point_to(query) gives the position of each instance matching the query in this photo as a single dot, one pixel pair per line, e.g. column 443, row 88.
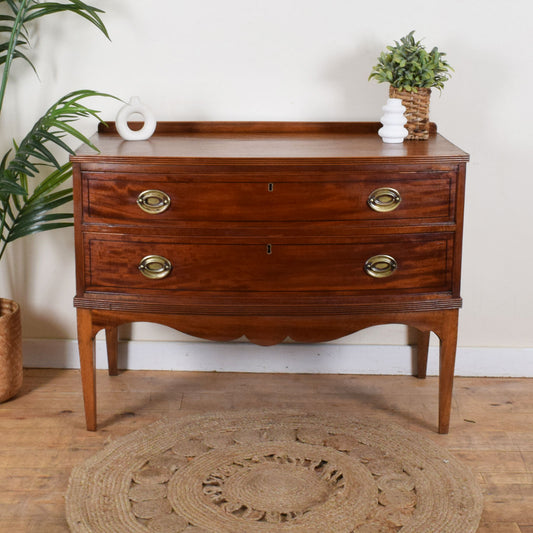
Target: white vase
column 135, row 107
column 393, row 121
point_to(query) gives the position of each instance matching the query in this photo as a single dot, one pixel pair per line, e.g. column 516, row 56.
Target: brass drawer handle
column 153, row 201
column 155, row 267
column 384, row 199
column 380, row 266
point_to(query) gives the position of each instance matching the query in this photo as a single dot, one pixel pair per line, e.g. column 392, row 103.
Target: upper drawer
column 164, row 200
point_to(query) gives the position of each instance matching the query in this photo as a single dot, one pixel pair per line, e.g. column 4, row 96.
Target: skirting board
column 327, row 358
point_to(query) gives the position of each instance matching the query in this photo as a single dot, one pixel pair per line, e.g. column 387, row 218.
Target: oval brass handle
column 153, row 201
column 384, row 199
column 155, row 267
column 380, row 266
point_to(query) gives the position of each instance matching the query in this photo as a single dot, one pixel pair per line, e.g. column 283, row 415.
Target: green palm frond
column 36, row 215
column 90, row 13
column 8, row 186
column 23, row 212
column 50, row 130
column 25, row 11
column 32, row 180
column 11, row 49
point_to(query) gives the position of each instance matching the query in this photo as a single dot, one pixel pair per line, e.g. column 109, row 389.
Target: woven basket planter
column 416, row 111
column 10, row 349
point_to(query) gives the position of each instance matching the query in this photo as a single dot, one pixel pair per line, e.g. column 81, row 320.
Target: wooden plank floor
column 42, row 434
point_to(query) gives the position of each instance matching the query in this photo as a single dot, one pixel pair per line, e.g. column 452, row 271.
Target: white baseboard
column 327, row 358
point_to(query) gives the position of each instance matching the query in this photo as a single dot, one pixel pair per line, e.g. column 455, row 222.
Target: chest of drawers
column 308, row 231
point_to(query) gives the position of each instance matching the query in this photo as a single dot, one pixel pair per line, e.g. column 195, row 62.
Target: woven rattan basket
column 416, row 111
column 10, row 349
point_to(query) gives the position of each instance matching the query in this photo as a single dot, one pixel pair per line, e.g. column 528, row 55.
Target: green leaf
column 40, row 225
column 50, row 183
column 23, row 212
column 407, row 64
column 9, row 187
column 75, row 6
column 51, row 128
column 26, row 11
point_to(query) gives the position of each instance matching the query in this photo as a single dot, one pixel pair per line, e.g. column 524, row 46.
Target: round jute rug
column 237, row 472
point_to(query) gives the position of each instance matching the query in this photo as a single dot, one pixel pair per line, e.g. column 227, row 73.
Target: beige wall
column 302, row 60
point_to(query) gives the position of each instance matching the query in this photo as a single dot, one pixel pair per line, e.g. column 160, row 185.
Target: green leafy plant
column 32, row 179
column 408, row 66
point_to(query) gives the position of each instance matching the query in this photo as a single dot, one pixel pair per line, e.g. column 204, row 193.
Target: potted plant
column 32, row 179
column 412, row 72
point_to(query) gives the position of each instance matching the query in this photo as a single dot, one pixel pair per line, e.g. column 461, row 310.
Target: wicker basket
column 416, row 111
column 10, row 349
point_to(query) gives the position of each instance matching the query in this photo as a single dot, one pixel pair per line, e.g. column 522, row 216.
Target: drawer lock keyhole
column 269, row 249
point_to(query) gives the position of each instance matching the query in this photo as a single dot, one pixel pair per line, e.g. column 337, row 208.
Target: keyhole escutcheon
column 269, row 249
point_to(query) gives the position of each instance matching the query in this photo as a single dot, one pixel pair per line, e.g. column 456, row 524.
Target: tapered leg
column 111, row 339
column 87, row 366
column 448, row 347
column 422, row 353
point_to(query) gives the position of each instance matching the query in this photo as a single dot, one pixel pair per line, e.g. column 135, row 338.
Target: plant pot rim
column 414, row 90
column 8, row 307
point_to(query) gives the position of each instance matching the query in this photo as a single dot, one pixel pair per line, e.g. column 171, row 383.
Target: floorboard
column 43, row 434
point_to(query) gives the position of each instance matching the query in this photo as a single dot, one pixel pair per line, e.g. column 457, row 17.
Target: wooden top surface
column 267, row 142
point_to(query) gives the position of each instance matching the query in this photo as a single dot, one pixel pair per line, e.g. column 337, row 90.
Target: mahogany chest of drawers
column 308, row 231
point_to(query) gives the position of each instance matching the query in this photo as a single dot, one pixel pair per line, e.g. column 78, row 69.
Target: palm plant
column 32, row 179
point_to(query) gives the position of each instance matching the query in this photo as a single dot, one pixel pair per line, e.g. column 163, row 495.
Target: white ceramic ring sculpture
column 135, row 107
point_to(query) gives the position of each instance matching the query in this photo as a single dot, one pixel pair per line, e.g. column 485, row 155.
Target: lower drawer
column 414, row 263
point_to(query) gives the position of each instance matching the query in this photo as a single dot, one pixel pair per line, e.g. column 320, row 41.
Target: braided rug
column 251, row 471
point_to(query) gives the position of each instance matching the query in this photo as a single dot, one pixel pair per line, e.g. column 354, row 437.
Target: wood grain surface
column 43, row 434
